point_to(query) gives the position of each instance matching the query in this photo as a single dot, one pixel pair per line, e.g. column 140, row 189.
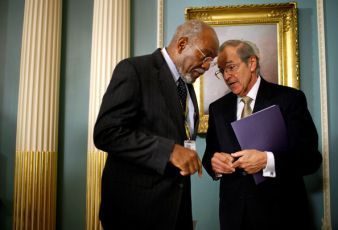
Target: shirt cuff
column 269, row 170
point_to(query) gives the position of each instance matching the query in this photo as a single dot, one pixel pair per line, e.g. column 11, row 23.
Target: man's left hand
column 250, row 160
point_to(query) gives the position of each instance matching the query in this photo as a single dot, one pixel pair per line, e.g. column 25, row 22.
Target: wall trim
column 326, row 225
column 160, row 23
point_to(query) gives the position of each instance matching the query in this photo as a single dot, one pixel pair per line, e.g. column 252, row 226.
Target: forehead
column 228, row 55
column 208, row 43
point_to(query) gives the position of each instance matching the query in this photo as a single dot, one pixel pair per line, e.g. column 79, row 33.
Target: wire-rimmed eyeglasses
column 206, row 59
column 229, row 69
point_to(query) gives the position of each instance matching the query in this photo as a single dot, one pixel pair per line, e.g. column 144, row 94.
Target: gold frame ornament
column 282, row 15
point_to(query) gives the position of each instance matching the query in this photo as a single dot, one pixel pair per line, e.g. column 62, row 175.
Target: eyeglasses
column 229, row 69
column 206, row 59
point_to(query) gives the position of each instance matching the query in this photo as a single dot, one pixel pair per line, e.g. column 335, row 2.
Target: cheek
column 245, row 78
column 187, row 65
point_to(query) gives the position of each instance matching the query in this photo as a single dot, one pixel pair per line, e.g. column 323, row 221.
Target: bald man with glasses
column 147, row 123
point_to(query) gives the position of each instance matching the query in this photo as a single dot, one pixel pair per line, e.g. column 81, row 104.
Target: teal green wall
column 11, row 16
column 74, row 95
column 331, row 19
column 144, row 26
column 73, row 124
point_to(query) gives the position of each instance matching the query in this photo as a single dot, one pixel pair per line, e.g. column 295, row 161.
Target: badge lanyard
column 189, row 143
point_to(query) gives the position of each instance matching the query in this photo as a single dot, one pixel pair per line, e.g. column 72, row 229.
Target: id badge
column 190, row 144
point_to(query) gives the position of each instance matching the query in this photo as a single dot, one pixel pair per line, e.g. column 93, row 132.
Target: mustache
column 200, row 70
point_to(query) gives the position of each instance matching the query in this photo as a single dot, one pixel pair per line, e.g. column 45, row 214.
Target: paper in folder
column 264, row 130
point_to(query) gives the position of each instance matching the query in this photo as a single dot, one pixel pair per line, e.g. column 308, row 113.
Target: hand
column 186, row 160
column 251, row 161
column 222, row 163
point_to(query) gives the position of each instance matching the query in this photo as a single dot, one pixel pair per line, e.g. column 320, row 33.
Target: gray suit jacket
column 139, row 122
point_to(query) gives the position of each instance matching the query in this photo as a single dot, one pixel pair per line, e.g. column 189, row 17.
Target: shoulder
column 140, row 64
column 286, row 97
column 225, row 101
column 144, row 61
column 284, row 91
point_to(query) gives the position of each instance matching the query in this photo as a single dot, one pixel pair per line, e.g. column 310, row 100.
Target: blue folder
column 264, row 130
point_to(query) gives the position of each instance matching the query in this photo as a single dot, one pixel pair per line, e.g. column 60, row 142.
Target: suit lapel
column 224, row 118
column 263, row 98
column 168, row 88
column 196, row 112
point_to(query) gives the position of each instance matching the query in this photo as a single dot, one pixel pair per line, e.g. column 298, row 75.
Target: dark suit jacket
column 139, row 122
column 278, row 203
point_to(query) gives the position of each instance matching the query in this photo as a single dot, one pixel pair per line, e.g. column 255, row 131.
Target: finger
column 238, row 154
column 221, row 160
column 199, row 167
column 224, row 169
column 237, row 164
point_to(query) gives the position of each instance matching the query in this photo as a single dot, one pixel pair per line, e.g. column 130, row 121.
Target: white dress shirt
column 176, row 76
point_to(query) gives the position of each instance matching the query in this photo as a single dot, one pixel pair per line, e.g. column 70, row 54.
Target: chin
column 236, row 91
column 188, row 78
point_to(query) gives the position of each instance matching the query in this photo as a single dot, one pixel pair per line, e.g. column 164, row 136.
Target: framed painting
column 274, row 30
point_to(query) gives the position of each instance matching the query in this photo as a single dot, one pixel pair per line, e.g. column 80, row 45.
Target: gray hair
column 190, row 29
column 245, row 50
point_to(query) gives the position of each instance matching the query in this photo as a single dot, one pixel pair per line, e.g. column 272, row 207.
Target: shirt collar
column 170, row 63
column 253, row 91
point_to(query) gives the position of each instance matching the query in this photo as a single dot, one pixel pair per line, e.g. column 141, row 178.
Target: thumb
column 237, row 154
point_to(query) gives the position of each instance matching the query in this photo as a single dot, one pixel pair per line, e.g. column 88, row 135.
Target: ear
column 253, row 62
column 182, row 43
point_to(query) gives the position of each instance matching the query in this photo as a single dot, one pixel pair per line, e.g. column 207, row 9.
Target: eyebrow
column 207, row 52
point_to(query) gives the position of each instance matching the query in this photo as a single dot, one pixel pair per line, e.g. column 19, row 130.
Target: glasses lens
column 219, row 73
column 208, row 60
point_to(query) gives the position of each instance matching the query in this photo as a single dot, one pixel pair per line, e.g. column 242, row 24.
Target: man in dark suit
column 280, row 201
column 143, row 124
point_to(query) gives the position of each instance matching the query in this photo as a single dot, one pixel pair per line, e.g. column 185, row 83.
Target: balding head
column 193, row 42
column 245, row 49
column 193, row 30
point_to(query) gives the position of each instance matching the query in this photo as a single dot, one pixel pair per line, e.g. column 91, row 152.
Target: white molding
column 324, row 115
column 110, row 44
column 160, row 23
column 38, row 103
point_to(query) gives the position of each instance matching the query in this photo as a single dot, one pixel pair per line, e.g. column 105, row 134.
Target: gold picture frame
column 256, row 22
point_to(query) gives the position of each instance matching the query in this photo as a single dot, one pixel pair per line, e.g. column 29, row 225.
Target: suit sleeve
column 211, row 144
column 303, row 156
column 117, row 127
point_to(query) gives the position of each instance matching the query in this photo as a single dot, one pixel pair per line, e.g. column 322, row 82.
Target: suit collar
column 168, row 86
column 196, row 112
column 263, row 98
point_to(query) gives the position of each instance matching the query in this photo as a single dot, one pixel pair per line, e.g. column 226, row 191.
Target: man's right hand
column 222, row 163
column 186, row 160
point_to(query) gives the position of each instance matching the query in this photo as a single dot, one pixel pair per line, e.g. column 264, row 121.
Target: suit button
column 244, row 173
column 180, row 185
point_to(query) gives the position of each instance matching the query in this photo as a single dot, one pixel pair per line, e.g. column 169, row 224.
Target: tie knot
column 180, row 81
column 246, row 100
